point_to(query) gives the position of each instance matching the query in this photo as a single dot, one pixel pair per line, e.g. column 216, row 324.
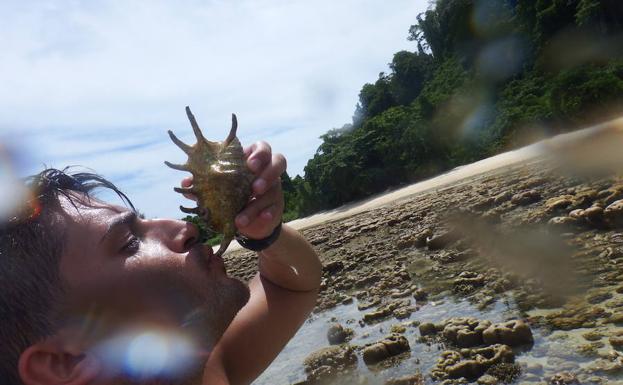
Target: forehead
column 81, row 209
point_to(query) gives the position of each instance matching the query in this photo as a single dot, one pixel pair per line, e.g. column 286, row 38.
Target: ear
column 49, row 363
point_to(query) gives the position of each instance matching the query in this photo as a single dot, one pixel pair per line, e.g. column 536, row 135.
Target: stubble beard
column 211, row 318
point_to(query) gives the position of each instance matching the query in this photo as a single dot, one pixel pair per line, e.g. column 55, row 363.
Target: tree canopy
column 484, row 76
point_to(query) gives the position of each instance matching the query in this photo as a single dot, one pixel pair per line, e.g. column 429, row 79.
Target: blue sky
column 98, row 83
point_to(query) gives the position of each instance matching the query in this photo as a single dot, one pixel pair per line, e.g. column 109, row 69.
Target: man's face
column 129, row 278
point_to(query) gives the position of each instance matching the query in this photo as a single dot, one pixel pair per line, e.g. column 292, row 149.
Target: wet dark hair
column 30, row 251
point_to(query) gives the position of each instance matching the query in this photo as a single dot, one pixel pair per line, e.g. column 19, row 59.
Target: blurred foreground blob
column 16, row 201
column 159, row 332
column 147, row 352
column 531, row 252
column 572, row 48
column 593, row 153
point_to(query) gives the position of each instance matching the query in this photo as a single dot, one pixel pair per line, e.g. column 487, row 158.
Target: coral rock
column 390, row 346
column 512, row 333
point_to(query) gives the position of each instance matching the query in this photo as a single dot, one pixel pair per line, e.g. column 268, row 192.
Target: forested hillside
column 484, row 76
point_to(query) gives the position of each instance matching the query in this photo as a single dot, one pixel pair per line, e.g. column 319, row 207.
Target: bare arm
column 283, row 293
column 291, row 262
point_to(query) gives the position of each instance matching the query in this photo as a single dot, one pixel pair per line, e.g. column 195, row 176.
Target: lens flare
column 13, row 194
column 147, row 353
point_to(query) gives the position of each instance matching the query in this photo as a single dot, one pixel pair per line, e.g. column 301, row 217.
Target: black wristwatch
column 259, row 244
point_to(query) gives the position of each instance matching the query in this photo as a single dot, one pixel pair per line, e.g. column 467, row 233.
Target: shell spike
column 232, row 131
column 224, row 244
column 180, row 167
column 184, row 190
column 194, row 125
column 183, row 146
column 194, row 210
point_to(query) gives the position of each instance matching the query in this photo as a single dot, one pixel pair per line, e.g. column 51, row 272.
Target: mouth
column 205, row 258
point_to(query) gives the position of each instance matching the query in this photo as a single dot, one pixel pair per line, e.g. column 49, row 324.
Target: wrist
column 259, row 244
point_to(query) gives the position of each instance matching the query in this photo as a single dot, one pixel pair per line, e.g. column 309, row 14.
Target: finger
column 259, row 156
column 187, row 182
column 255, row 207
column 270, row 174
column 269, row 213
column 248, row 150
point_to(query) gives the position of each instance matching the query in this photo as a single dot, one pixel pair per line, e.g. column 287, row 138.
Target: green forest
column 483, row 77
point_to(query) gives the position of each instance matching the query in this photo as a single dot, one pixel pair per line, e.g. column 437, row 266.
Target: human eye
column 131, row 246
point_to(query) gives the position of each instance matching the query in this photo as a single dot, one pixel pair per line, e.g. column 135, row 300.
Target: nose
column 179, row 236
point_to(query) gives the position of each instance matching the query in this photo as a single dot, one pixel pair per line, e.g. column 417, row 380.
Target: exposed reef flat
column 511, row 276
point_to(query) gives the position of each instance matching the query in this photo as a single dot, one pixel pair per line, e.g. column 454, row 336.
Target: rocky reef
column 512, row 276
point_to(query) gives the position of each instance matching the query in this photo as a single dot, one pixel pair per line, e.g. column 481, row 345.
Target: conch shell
column 221, row 179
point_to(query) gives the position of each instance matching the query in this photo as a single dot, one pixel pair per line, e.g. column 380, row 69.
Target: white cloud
column 98, row 83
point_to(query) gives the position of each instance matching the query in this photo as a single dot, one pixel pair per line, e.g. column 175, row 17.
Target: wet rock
column 367, row 281
column 468, row 281
column 465, row 331
column 502, row 197
column 526, row 197
column 533, row 182
column 338, row 334
column 593, row 215
column 440, row 241
column 376, row 315
column 388, row 347
column 385, row 310
column 398, row 329
column 564, row 378
column 420, row 295
column 616, row 341
column 614, row 213
column 611, row 364
column 559, row 203
column 487, row 379
column 427, row 328
column 421, row 237
column 611, row 253
column 471, row 363
column 616, row 318
column 403, row 312
column 413, row 379
column 366, row 305
column 591, row 349
column 400, row 293
column 414, row 240
column 575, row 317
column 596, row 298
column 562, row 223
column 318, row 239
column 483, row 204
column 333, row 267
column 329, row 361
column 592, row 336
column 612, row 194
column 512, row 333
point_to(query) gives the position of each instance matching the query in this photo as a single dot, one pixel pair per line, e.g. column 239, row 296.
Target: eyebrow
column 123, row 219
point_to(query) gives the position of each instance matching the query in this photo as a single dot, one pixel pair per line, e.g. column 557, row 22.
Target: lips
column 203, row 256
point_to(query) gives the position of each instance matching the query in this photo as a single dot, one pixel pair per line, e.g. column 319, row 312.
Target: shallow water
column 545, row 266
column 550, row 354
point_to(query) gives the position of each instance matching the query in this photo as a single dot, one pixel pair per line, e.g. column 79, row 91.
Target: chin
column 210, row 319
column 238, row 294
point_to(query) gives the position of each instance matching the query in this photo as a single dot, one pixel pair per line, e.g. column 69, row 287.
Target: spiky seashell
column 221, row 179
